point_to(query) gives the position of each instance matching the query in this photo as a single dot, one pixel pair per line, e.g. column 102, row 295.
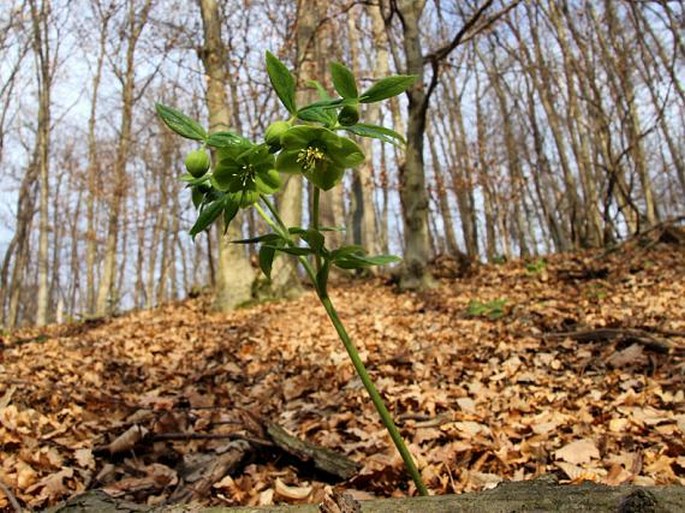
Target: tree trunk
column 41, row 47
column 107, row 298
column 413, row 195
column 93, row 167
column 234, row 274
column 363, row 228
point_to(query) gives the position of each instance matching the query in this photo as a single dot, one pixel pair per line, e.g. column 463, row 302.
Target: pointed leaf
column 180, row 123
column 387, row 88
column 268, row 237
column 291, row 250
column 317, row 115
column 231, row 207
column 323, row 94
column 343, row 80
column 224, row 139
column 377, row 132
column 266, row 259
column 314, row 239
column 209, row 213
column 358, row 260
column 348, row 250
column 282, row 81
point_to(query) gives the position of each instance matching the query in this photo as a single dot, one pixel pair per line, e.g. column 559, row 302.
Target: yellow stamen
column 309, row 156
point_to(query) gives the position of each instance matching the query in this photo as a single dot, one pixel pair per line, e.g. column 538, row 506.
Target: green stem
column 315, row 221
column 376, row 398
column 274, row 213
column 277, row 224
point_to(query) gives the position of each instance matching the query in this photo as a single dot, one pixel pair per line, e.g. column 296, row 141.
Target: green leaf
column 325, row 104
column 377, row 132
column 354, row 257
column 387, row 88
column 381, row 259
column 191, row 180
column 231, row 207
column 282, row 81
column 323, row 94
column 343, row 80
column 358, row 262
column 348, row 250
column 209, row 213
column 317, row 115
column 314, row 239
column 180, row 123
column 224, row 139
column 266, row 259
column 291, row 250
column 268, row 237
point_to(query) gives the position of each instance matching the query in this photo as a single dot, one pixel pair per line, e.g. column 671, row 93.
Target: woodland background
column 549, row 127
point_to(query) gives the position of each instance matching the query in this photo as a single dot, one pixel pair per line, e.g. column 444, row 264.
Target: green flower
column 319, row 154
column 247, row 169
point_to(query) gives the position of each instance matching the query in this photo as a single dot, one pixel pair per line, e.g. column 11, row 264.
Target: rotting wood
column 323, row 459
column 630, row 335
column 199, row 476
column 540, row 496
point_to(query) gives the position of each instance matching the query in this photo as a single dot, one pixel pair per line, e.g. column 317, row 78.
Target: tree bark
column 41, row 47
column 107, row 298
column 413, row 194
column 539, row 495
column 93, row 168
column 234, row 274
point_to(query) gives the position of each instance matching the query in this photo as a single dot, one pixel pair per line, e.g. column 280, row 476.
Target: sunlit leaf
column 282, row 81
column 180, row 123
column 387, row 88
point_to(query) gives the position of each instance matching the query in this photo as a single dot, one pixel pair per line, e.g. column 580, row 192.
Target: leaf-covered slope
column 573, row 365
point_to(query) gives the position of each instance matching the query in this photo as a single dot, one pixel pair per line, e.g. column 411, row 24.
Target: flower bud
column 274, row 132
column 197, row 163
column 349, row 115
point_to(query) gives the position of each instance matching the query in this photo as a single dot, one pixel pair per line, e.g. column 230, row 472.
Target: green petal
column 268, row 182
column 232, row 152
column 325, row 175
column 226, row 174
column 349, row 154
column 300, row 136
column 262, row 160
column 287, row 162
column 248, row 197
column 332, row 140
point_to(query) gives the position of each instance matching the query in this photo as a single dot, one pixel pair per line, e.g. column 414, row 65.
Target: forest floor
column 572, row 364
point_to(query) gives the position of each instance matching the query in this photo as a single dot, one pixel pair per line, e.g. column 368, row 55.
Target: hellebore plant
column 246, row 173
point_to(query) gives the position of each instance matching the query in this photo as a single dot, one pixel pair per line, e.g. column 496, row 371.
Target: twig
column 8, row 493
column 595, row 335
column 209, row 436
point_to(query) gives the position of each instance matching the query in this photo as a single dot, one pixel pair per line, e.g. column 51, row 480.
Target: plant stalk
column 376, row 398
column 351, row 349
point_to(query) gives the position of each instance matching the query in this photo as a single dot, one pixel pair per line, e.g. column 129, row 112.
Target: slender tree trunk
column 93, row 167
column 40, row 18
column 364, row 223
column 20, row 243
column 107, row 298
column 235, row 275
column 443, row 199
column 413, row 195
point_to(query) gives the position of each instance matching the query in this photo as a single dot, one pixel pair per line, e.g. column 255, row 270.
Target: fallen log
column 323, row 459
column 540, row 496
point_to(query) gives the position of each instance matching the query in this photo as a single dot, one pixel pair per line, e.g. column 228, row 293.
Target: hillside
column 572, row 365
